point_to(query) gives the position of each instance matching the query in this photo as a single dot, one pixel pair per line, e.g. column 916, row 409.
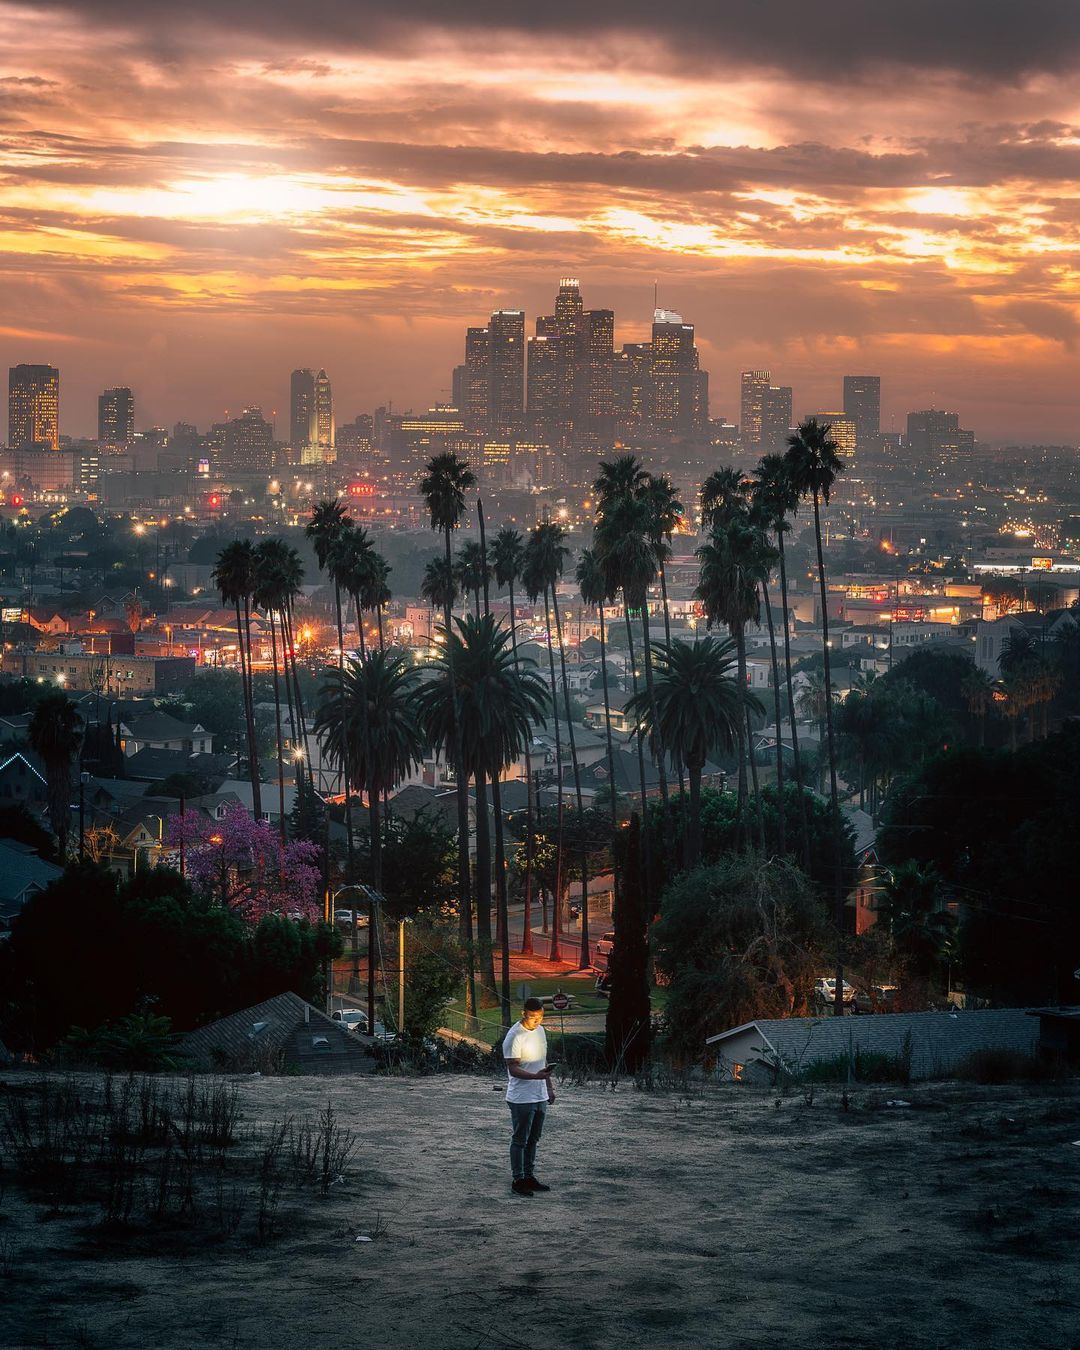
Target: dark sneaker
column 535, row 1185
column 522, row 1188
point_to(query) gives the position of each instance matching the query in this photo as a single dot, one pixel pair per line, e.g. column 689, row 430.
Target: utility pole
column 401, row 979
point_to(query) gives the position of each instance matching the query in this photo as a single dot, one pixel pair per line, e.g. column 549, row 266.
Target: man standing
column 528, row 1091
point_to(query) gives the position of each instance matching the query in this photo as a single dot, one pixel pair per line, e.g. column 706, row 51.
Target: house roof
column 937, row 1040
column 241, row 789
column 161, row 726
column 306, row 1040
column 22, row 871
column 152, row 765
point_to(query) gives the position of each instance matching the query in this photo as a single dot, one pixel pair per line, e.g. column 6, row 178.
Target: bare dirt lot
column 728, row 1217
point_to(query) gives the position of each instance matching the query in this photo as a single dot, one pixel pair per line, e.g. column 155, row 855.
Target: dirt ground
column 730, row 1217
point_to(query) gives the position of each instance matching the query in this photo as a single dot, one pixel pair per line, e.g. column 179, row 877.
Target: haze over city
column 890, row 188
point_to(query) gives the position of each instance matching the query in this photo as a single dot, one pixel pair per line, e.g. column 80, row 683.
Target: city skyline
column 351, row 190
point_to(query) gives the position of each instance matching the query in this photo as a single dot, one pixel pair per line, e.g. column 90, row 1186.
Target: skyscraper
column 862, row 405
column 249, row 443
column 303, row 431
column 311, row 417
column 752, row 387
column 34, row 408
column 935, row 432
column 841, row 429
column 632, row 384
column 775, row 418
column 598, row 394
column 543, row 388
column 679, row 397
column 116, row 419
column 506, row 372
column 324, row 420
column 475, row 404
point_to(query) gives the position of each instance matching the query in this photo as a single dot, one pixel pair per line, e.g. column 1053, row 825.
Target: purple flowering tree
column 243, row 865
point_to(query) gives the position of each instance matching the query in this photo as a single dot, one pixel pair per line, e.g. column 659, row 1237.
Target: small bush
column 1004, row 1066
column 865, row 1067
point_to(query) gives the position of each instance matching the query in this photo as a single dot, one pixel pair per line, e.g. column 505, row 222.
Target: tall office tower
column 841, row 429
column 116, row 419
column 570, row 326
column 506, row 372
column 752, row 387
column 33, row 408
column 543, row 405
column 303, row 430
column 676, row 384
column 934, row 432
column 598, row 426
column 249, row 443
column 475, row 403
column 458, row 385
column 324, row 420
column 632, row 388
column 862, row 404
column 775, row 418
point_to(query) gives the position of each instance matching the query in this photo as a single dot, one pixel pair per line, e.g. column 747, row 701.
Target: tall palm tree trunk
column 646, row 846
column 485, row 949
column 246, row 692
column 379, row 616
column 740, row 801
column 667, row 639
column 344, row 740
column 256, row 788
column 610, row 760
column 554, row 941
column 834, row 795
column 526, row 927
column 804, row 820
column 277, row 726
column 586, row 952
column 658, row 747
column 780, row 804
column 462, row 794
column 758, row 816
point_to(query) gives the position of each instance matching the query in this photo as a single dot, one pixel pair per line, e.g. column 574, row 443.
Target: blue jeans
column 527, row 1119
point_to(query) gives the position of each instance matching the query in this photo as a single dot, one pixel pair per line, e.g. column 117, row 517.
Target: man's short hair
column 533, row 1005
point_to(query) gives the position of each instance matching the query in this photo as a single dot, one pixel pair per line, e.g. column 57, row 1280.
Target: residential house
column 22, row 779
column 22, row 873
column 768, row 1049
column 161, row 731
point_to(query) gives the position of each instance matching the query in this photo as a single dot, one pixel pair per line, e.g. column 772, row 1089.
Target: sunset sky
column 195, row 198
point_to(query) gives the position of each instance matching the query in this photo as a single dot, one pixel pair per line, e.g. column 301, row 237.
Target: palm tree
column 355, row 566
column 702, row 704
column 268, row 597
column 507, row 555
column 495, row 706
column 733, row 561
column 978, row 690
column 234, row 577
column 288, row 573
column 541, row 567
column 446, row 481
column 439, row 586
column 665, row 515
column 813, row 465
column 55, row 733
column 723, row 494
column 507, row 558
column 376, row 594
column 473, row 571
column 594, row 586
column 381, row 739
column 624, row 546
column 329, row 523
column 775, row 499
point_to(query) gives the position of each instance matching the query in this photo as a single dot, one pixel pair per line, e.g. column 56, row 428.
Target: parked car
column 345, row 918
column 876, row 998
column 825, row 990
column 352, row 1019
column 356, row 1020
column 606, row 945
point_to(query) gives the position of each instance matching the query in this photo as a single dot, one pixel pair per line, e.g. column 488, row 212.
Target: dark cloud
column 826, row 41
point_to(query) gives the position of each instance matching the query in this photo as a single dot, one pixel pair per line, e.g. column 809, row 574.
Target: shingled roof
column 283, row 1032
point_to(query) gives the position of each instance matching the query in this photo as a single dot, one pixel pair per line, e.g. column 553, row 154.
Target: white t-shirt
column 530, row 1047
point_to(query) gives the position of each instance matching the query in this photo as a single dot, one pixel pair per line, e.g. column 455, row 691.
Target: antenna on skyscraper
column 654, row 292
